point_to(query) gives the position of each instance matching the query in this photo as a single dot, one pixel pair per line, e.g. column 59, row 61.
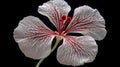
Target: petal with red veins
column 33, row 37
column 54, row 10
column 77, row 51
column 87, row 21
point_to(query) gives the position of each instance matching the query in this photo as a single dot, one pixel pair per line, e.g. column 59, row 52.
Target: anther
column 63, row 17
column 68, row 19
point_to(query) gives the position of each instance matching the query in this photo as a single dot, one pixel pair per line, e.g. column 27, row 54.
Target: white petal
column 88, row 21
column 33, row 37
column 54, row 9
column 77, row 51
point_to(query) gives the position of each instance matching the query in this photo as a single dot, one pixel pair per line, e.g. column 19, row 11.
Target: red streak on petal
column 75, row 45
column 72, row 43
column 80, row 25
column 78, row 46
column 57, row 18
column 39, row 33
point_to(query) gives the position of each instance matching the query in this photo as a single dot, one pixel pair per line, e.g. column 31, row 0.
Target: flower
column 35, row 38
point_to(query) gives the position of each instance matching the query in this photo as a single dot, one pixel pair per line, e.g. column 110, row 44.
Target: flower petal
column 33, row 37
column 87, row 21
column 54, row 10
column 77, row 51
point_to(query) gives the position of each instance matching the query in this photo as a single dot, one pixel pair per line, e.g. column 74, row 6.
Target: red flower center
column 64, row 21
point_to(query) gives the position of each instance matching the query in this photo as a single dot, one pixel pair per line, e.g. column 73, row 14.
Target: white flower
column 35, row 38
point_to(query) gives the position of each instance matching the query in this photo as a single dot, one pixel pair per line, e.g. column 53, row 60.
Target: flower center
column 64, row 21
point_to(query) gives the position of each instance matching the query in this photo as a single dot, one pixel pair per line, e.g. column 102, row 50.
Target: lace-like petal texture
column 54, row 10
column 87, row 21
column 77, row 51
column 33, row 37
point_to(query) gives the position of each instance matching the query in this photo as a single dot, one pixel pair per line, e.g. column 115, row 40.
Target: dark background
column 14, row 11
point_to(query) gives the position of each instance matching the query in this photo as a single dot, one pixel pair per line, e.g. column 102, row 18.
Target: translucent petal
column 87, row 21
column 77, row 51
column 54, row 10
column 33, row 37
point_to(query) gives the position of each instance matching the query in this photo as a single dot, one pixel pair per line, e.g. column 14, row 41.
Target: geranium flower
column 35, row 38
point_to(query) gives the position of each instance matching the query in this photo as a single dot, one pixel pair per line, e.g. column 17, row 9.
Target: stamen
column 63, row 17
column 64, row 20
column 68, row 19
column 66, row 23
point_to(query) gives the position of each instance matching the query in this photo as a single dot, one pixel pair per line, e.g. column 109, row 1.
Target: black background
column 14, row 11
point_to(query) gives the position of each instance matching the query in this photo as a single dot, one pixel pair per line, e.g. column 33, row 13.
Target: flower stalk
column 58, row 39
